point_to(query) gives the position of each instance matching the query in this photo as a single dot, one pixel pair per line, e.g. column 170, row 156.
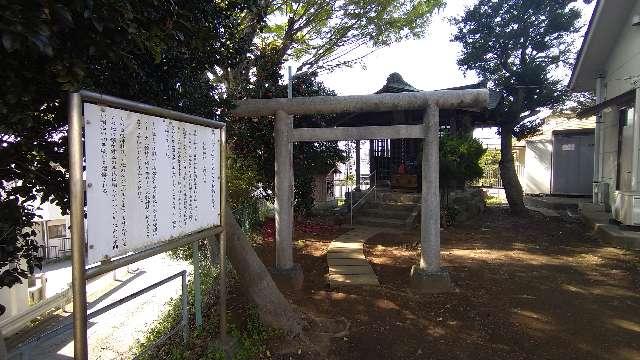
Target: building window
column 626, row 116
column 57, row 231
column 623, row 162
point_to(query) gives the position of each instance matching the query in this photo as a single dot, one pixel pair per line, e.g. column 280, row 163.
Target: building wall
column 624, row 60
column 50, row 215
column 622, row 73
column 539, row 149
column 15, row 299
column 537, row 170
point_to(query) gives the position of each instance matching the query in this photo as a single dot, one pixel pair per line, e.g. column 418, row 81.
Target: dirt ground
column 526, row 288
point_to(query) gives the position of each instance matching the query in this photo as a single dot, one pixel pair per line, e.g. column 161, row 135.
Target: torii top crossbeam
column 472, row 99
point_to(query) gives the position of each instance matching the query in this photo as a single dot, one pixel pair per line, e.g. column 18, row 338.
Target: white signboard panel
column 149, row 179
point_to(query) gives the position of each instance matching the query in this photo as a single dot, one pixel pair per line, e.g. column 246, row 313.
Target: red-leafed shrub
column 309, row 226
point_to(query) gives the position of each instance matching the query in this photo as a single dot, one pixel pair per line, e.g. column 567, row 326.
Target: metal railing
column 345, row 185
column 15, row 323
column 23, row 351
column 491, row 176
column 371, row 189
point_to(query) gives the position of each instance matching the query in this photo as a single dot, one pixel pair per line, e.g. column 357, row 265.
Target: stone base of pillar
column 430, row 282
column 291, row 278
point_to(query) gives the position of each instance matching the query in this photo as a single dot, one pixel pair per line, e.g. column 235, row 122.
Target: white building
column 53, row 240
column 559, row 160
column 609, row 64
column 53, row 234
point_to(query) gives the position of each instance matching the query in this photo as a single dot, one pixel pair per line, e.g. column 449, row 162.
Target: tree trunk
column 3, row 348
column 256, row 282
column 510, row 182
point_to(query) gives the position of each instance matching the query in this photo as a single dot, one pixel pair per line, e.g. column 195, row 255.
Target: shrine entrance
column 427, row 276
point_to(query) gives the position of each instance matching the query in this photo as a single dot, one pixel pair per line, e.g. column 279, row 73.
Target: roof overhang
column 623, row 99
column 607, row 21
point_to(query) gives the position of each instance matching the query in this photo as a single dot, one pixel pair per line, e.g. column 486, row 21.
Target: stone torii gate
column 428, row 276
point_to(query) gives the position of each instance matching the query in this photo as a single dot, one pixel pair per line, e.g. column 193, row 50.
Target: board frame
column 80, row 274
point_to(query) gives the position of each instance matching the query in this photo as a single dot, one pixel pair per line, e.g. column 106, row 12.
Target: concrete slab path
column 347, row 263
column 111, row 335
column 544, row 211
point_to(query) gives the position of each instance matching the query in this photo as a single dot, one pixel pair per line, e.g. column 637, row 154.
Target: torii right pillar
column 428, row 276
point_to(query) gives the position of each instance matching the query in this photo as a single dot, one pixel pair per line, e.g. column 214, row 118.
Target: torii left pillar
column 286, row 273
column 428, row 276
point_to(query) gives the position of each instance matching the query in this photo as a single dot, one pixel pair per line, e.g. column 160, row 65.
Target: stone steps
column 380, row 222
column 347, row 263
column 399, row 197
column 337, row 280
column 392, row 205
column 386, row 213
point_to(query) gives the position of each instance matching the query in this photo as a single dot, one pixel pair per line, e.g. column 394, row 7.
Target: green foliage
column 155, row 51
column 459, row 160
column 244, row 193
column 173, row 315
column 350, row 180
column 326, row 34
column 493, row 201
column 252, row 146
column 490, row 158
column 252, row 339
column 251, row 336
column 519, row 46
column 319, row 35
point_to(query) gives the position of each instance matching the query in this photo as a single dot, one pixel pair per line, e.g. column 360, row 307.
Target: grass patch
column 494, row 200
column 249, row 334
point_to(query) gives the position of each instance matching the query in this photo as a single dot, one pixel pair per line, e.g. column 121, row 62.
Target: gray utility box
column 572, row 162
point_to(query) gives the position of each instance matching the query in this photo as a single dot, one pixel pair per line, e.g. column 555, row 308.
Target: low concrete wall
column 467, row 204
column 598, row 221
column 15, row 299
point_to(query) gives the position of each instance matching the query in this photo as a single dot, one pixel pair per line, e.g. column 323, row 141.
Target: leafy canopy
column 252, row 149
column 325, row 34
column 522, row 47
column 156, row 51
column 459, row 160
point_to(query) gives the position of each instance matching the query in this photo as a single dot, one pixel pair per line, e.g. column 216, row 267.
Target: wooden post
column 358, row 164
column 430, row 215
column 428, row 276
column 284, row 191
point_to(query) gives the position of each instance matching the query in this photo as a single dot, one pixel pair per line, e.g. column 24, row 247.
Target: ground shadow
column 526, row 288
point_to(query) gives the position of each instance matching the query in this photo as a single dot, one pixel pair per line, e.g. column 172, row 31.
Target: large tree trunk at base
column 3, row 348
column 510, row 182
column 256, row 281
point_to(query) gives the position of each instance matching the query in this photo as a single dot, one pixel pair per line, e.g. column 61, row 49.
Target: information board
column 148, row 180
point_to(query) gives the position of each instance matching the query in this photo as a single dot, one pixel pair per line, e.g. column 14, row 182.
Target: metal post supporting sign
column 223, row 242
column 197, row 283
column 80, row 273
column 80, row 345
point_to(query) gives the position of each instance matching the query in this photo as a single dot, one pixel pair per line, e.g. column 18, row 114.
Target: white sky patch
column 427, row 64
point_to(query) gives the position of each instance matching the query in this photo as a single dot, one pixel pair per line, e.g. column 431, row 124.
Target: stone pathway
column 347, row 263
column 544, row 211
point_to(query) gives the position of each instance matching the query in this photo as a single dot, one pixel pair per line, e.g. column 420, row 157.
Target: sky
column 427, row 64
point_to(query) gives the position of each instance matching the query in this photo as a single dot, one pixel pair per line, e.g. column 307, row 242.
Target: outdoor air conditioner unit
column 626, row 207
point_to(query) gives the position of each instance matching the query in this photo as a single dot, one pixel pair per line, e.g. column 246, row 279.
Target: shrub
column 459, row 161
